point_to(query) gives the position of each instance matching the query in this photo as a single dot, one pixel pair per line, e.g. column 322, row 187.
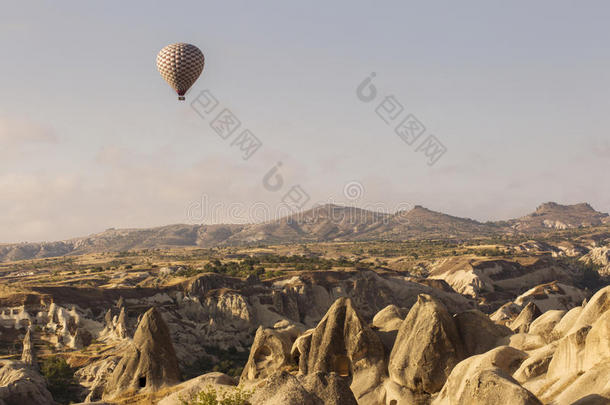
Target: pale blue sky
column 91, row 137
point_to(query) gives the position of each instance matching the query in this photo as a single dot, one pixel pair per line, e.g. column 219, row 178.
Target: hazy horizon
column 247, row 215
column 92, row 138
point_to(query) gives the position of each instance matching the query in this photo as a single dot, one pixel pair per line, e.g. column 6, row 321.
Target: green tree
column 60, row 378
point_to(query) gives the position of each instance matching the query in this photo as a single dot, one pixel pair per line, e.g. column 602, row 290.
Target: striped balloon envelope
column 180, row 65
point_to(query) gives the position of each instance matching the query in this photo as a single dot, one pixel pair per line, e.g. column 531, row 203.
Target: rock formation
column 387, row 322
column 597, row 343
column 566, row 322
column 192, row 387
column 150, row 362
column 344, row 344
column 390, row 318
column 427, row 347
column 486, row 379
column 601, row 257
column 332, row 389
column 590, row 388
column 545, row 323
column 270, row 352
column 536, row 364
column 553, row 295
column 28, row 356
column 283, row 389
column 338, row 336
column 121, row 325
column 94, row 376
column 526, row 317
column 479, row 333
column 20, row 384
column 573, row 367
column 593, row 310
column 313, row 389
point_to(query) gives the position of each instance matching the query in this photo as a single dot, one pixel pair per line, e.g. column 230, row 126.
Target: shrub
column 230, row 362
column 210, row 396
column 60, row 378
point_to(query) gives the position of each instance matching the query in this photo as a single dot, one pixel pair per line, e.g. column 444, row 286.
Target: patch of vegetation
column 230, row 362
column 487, row 252
column 273, row 273
column 60, row 379
column 211, row 396
column 258, row 265
column 586, row 274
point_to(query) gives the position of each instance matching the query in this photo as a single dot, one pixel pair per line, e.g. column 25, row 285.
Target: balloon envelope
column 180, row 65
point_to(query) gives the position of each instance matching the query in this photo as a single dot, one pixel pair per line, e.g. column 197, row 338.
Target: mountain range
column 320, row 224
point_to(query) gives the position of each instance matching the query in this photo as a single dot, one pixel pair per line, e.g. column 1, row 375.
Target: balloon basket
column 181, row 98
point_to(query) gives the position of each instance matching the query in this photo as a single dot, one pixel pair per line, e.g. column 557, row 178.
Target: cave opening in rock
column 297, row 357
column 262, row 354
column 342, row 365
column 142, row 381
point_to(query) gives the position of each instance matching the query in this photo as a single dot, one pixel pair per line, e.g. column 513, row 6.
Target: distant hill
column 324, row 223
column 421, row 222
column 551, row 215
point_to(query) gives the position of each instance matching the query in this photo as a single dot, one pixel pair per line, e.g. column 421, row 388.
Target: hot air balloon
column 180, row 65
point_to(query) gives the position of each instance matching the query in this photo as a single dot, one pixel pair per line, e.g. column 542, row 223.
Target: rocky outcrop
column 597, row 343
column 150, row 361
column 332, row 389
column 524, row 341
column 94, row 376
column 390, row 318
column 545, row 323
column 593, row 310
column 551, row 296
column 484, row 278
column 565, row 323
column 121, row 325
column 601, row 257
column 284, row 389
column 20, row 384
column 576, row 359
column 225, row 311
column 506, row 313
column 342, row 343
column 115, row 327
column 312, row 389
column 479, row 333
column 270, row 352
column 188, row 389
column 28, row 356
column 536, row 364
column 82, row 339
column 486, row 379
column 427, row 347
column 387, row 322
column 558, row 216
column 108, row 319
column 522, row 323
column 590, row 388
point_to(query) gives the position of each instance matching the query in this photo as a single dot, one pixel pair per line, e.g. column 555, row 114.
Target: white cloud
column 15, row 131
